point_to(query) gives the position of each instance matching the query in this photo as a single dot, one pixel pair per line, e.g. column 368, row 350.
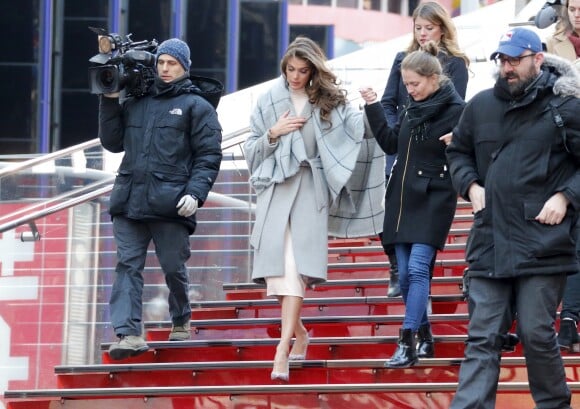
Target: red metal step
column 267, row 396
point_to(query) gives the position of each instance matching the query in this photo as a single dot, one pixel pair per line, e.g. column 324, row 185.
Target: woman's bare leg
column 291, row 307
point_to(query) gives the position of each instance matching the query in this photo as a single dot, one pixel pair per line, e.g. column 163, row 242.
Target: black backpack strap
column 553, row 105
column 557, row 118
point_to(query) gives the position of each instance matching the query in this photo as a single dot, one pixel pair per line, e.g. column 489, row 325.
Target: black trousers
column 172, row 249
column 492, row 305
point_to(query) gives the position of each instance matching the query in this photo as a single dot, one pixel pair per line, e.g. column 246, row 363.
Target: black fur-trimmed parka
column 522, row 151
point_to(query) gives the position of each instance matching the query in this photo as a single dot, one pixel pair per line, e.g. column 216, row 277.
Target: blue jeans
column 414, row 272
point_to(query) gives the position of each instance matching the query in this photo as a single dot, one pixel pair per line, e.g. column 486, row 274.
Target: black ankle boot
column 394, row 287
column 568, row 335
column 406, row 353
column 509, row 342
column 426, row 345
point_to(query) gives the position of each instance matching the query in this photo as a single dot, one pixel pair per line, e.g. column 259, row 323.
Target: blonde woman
column 431, row 22
column 420, row 197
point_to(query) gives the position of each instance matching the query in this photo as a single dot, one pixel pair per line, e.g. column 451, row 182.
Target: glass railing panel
column 29, row 186
column 54, row 292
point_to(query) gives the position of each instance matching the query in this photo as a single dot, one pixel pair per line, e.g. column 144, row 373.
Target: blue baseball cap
column 516, row 41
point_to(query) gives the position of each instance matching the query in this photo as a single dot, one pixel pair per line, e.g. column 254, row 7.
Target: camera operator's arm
column 111, row 129
column 205, row 142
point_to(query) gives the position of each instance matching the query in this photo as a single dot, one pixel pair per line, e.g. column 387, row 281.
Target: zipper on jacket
column 403, row 185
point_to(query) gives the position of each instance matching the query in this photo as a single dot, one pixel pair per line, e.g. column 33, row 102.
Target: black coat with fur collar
column 513, row 148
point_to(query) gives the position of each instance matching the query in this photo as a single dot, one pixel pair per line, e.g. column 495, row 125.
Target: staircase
column 353, row 329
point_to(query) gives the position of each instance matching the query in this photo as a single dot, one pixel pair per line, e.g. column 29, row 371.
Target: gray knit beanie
column 177, row 49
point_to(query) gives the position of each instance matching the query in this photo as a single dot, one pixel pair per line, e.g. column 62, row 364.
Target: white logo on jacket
column 176, row 111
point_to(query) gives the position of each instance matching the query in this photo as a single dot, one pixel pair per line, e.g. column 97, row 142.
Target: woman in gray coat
column 308, row 160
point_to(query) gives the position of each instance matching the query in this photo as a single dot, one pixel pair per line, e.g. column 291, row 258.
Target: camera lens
column 107, row 78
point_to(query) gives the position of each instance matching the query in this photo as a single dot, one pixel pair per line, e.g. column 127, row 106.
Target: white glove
column 187, row 206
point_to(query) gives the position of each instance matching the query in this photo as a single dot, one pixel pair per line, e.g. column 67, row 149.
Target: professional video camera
column 123, row 64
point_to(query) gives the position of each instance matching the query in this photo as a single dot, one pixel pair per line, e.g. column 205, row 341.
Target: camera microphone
column 548, row 14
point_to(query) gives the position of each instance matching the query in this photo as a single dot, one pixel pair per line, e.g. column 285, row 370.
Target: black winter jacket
column 420, row 200
column 172, row 143
column 514, row 149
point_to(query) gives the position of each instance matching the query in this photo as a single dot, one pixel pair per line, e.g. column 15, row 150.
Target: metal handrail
column 30, row 218
column 75, row 199
column 151, row 391
column 93, row 143
column 57, row 199
column 16, row 167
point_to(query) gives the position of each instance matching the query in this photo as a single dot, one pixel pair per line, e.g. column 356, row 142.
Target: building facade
column 45, row 96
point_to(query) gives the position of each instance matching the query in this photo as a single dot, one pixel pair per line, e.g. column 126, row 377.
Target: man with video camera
column 172, row 143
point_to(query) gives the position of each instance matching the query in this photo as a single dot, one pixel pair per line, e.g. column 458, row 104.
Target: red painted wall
column 32, row 304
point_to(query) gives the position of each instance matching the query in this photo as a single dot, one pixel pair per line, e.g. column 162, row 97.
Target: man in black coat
column 515, row 155
column 171, row 139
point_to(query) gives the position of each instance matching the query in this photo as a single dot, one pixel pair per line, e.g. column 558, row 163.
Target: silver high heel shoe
column 302, row 356
column 283, row 376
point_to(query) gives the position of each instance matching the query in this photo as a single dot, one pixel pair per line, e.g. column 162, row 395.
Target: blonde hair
column 425, row 62
column 323, row 87
column 436, row 14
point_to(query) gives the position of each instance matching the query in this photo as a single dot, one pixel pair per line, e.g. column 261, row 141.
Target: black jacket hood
column 208, row 88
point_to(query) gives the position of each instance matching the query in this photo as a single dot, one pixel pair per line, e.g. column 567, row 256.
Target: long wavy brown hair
column 436, row 14
column 323, row 87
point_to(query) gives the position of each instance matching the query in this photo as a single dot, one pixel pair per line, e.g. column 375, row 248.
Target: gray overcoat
column 321, row 180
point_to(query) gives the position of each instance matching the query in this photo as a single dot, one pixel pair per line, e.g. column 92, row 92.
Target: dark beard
column 518, row 88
